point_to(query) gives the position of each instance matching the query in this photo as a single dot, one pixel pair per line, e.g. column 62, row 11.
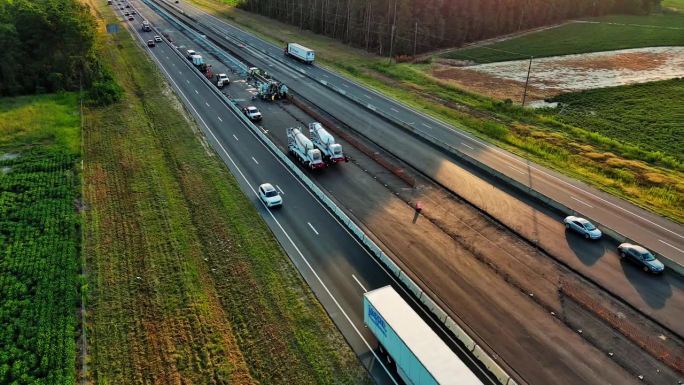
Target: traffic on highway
column 519, row 276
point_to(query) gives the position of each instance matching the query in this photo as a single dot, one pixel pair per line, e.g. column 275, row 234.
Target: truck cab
column 189, row 53
column 222, row 80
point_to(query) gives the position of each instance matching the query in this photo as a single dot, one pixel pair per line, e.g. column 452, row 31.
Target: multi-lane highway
column 653, row 231
column 661, row 299
column 335, row 265
column 332, row 266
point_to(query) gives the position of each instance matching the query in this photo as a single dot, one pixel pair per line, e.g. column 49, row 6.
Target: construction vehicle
column 409, row 344
column 222, row 80
column 331, row 151
column 198, row 61
column 303, row 149
column 267, row 87
column 146, row 27
column 300, row 53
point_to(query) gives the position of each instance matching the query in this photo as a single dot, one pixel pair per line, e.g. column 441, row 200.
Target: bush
column 104, row 91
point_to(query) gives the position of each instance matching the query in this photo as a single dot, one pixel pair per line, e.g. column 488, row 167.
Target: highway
column 657, row 233
column 334, row 264
column 310, row 229
column 661, row 299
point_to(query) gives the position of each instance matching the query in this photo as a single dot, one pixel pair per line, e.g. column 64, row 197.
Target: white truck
column 222, row 80
column 146, row 27
column 300, row 52
column 303, row 149
column 332, row 152
column 419, row 355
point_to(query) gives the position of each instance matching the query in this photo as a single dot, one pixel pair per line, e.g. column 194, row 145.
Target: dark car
column 150, row 43
column 642, row 257
column 131, row 18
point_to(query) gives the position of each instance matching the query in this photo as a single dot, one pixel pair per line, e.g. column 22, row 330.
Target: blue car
column 641, row 257
column 582, row 226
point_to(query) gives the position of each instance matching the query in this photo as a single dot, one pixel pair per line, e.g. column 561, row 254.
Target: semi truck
column 267, row 87
column 198, row 61
column 303, row 149
column 300, row 53
column 417, row 353
column 331, row 151
column 222, row 80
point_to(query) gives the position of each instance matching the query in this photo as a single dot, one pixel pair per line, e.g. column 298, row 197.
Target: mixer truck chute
column 267, row 87
column 321, row 138
column 303, row 149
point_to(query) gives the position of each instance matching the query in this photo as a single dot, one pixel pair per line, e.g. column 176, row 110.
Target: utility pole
column 415, row 39
column 394, row 27
column 527, row 81
column 370, row 9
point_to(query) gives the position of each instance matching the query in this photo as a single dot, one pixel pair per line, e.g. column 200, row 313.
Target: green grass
column 665, row 29
column 39, row 239
column 676, row 5
column 187, row 283
column 644, row 175
column 41, row 119
column 648, row 116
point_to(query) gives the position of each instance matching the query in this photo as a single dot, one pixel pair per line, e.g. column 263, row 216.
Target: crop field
column 589, row 35
column 187, row 285
column 647, row 115
column 39, row 239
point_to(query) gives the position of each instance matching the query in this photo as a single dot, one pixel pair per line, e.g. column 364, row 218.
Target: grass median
column 631, row 167
column 187, row 283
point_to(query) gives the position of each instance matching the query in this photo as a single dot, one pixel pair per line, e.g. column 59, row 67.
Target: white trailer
column 303, row 149
column 300, row 52
column 419, row 355
column 332, row 152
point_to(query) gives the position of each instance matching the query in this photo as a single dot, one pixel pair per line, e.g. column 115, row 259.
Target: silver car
column 642, row 257
column 582, row 227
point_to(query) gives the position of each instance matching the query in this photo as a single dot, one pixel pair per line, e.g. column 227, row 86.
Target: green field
column 597, row 34
column 649, row 116
column 187, row 283
column 39, row 238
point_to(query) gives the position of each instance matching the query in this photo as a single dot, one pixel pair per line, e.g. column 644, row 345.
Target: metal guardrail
column 476, row 350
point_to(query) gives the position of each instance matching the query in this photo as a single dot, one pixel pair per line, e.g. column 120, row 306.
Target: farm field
column 587, row 35
column 39, row 238
column 187, row 285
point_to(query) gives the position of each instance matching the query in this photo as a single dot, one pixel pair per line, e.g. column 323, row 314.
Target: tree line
column 48, row 46
column 406, row 27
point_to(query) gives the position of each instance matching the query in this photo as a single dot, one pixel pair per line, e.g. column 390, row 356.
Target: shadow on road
column 587, row 251
column 655, row 290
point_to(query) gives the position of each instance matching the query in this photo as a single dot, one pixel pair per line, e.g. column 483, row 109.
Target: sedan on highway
column 157, row 38
column 641, row 257
column 582, row 227
column 269, row 195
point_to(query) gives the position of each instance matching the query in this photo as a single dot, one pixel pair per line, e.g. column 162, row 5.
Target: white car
column 157, row 38
column 582, row 227
column 252, row 113
column 269, row 195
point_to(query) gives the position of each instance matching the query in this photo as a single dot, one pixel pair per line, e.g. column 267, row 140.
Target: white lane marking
column 219, row 118
column 394, row 109
column 255, row 161
column 674, row 247
column 581, row 201
column 173, row 64
column 517, row 169
column 357, row 281
column 281, row 190
column 426, row 125
column 326, row 76
column 366, row 95
column 345, row 85
column 470, row 147
column 207, row 104
column 167, row 58
column 312, row 228
column 187, row 81
column 196, row 92
column 236, row 138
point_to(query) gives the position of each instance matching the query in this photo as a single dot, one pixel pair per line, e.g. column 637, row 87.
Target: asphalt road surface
column 333, row 263
column 661, row 298
column 657, row 233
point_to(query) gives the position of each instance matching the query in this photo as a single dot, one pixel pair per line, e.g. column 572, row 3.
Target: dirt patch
column 553, row 75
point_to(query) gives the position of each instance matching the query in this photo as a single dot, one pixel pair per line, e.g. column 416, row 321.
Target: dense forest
column 47, row 46
column 424, row 25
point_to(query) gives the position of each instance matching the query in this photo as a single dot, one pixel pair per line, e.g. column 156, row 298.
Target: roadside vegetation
column 187, row 285
column 39, row 238
column 633, row 168
column 586, row 35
